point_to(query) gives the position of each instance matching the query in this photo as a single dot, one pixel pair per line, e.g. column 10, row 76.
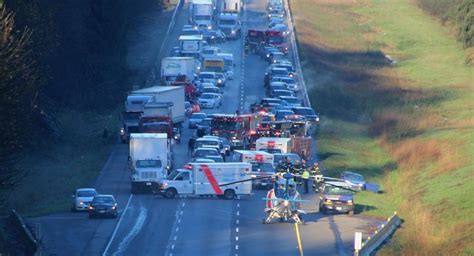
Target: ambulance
column 262, row 165
column 220, row 179
column 273, row 145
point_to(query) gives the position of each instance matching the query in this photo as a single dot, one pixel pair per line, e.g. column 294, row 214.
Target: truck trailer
column 172, row 67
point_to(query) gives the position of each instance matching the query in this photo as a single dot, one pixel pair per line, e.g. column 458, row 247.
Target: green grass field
column 408, row 126
column 52, row 171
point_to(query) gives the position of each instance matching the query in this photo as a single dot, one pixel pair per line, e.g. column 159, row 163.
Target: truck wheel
column 229, row 194
column 351, row 213
column 170, row 193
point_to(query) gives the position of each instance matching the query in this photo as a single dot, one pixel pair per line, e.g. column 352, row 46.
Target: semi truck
column 201, row 13
column 166, row 94
column 134, row 106
column 173, row 67
column 230, row 24
column 150, row 158
column 208, row 179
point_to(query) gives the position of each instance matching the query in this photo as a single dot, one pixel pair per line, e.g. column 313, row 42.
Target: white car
column 82, row 198
column 208, row 77
column 210, row 100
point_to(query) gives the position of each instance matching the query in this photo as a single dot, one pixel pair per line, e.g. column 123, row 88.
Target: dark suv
column 336, row 197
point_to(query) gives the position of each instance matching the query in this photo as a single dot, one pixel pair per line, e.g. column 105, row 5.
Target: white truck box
column 273, row 145
column 201, row 13
column 234, row 6
column 163, row 94
column 208, row 179
column 150, row 157
column 172, row 67
column 190, row 45
column 248, row 156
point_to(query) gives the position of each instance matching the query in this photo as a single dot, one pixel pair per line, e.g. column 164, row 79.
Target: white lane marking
column 236, row 247
column 237, row 230
column 117, row 226
column 237, row 221
column 179, row 220
column 238, row 205
column 177, row 229
column 181, row 213
column 133, row 232
column 175, row 238
column 236, row 238
column 172, row 247
column 238, row 213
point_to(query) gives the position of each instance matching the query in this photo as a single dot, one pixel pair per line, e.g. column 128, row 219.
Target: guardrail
column 26, row 238
column 370, row 246
column 296, row 56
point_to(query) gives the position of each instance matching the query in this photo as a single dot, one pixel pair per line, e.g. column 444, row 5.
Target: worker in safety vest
column 305, row 177
column 315, row 171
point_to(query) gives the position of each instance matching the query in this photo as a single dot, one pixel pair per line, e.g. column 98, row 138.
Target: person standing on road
column 191, row 142
column 305, row 177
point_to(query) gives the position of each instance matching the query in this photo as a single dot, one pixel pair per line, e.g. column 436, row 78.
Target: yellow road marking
column 298, row 237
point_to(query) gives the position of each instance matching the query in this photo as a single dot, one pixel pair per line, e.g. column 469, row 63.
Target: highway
column 152, row 225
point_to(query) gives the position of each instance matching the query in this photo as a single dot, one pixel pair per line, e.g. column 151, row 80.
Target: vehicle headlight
column 291, row 75
column 234, row 138
column 122, row 131
column 91, row 207
column 114, row 207
column 209, row 27
column 268, row 55
column 195, row 27
column 317, row 119
column 286, row 203
column 213, row 37
column 81, row 203
column 349, row 202
column 233, row 31
column 219, row 81
column 269, row 15
column 328, row 201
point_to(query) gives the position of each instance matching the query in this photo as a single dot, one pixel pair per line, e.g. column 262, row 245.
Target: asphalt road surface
column 152, row 225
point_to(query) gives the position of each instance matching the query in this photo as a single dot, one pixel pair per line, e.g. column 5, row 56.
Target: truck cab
column 230, row 24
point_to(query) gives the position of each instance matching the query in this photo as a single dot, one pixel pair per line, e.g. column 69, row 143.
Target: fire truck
column 277, row 39
column 236, row 128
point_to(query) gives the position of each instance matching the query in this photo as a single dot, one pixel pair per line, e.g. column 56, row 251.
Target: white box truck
column 163, row 94
column 273, row 145
column 190, row 45
column 172, row 67
column 234, row 6
column 201, row 13
column 149, row 158
column 221, row 179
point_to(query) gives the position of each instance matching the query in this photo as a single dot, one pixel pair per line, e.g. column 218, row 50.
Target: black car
column 103, row 205
column 213, row 36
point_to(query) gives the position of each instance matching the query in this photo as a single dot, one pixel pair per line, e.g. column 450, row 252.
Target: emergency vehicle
column 208, row 179
column 235, row 128
column 262, row 165
column 274, row 145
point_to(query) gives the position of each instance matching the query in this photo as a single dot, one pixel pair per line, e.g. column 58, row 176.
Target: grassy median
column 52, row 170
column 408, row 125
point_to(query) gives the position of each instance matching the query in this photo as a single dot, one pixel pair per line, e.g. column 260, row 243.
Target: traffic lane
column 146, row 227
column 256, row 238
column 205, row 227
column 75, row 233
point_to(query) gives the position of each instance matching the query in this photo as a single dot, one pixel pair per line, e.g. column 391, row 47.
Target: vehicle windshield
column 289, row 80
column 227, row 22
column 206, row 76
column 292, row 157
column 226, row 125
column 198, row 116
column 208, row 96
column 262, row 167
column 213, row 90
column 208, row 51
column 173, row 175
column 202, row 144
column 282, row 93
column 202, row 17
column 155, row 126
column 281, row 72
column 216, row 159
column 305, row 111
column 331, row 190
column 103, row 200
column 86, row 193
column 203, row 153
column 148, row 163
column 354, row 177
column 276, row 40
column 292, row 100
column 272, row 150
